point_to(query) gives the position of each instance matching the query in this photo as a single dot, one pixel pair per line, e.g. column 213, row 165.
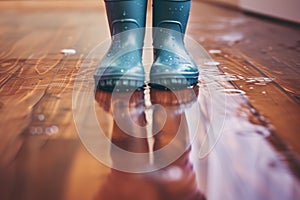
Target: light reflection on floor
column 242, row 165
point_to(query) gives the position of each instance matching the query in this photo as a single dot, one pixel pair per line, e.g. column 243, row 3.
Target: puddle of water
column 242, row 156
column 240, row 159
column 228, row 166
column 177, row 179
column 260, row 81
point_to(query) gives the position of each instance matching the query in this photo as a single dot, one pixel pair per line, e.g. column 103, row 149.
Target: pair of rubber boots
column 122, row 66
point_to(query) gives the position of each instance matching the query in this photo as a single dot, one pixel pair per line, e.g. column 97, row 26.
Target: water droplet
column 240, row 77
column 214, row 51
column 173, row 173
column 250, row 80
column 264, row 92
column 231, row 38
column 51, row 130
column 260, row 83
column 210, row 63
column 266, row 79
column 124, row 13
column 259, row 80
column 48, row 131
column 125, row 27
column 36, row 130
column 68, row 51
column 251, row 88
column 232, row 91
column 41, row 117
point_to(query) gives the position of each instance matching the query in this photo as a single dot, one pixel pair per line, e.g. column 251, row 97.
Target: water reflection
column 177, row 180
column 248, row 162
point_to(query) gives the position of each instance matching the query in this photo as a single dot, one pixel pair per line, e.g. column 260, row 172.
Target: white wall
column 283, row 9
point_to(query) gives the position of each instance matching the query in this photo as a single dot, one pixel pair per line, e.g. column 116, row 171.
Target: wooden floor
column 42, row 157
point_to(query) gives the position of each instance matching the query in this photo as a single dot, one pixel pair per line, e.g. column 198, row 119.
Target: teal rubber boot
column 173, row 67
column 122, row 66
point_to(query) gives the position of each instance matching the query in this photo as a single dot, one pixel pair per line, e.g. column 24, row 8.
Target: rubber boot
column 122, row 66
column 172, row 67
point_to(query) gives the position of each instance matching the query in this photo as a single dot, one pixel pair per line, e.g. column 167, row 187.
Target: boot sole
column 120, row 85
column 173, row 83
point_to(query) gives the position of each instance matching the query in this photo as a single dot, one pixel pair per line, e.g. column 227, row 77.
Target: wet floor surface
column 232, row 136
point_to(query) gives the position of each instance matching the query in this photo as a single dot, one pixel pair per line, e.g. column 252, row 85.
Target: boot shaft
column 171, row 14
column 170, row 19
column 125, row 15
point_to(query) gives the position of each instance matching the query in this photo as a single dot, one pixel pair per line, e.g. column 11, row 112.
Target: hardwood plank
column 46, row 4
column 39, row 87
column 267, row 97
column 273, row 45
column 41, row 156
column 247, row 47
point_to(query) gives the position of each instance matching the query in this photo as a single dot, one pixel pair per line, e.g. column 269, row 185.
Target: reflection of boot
column 122, row 65
column 172, row 131
column 177, row 180
column 172, row 67
column 127, row 186
column 128, row 119
column 178, row 99
column 129, row 131
column 119, row 184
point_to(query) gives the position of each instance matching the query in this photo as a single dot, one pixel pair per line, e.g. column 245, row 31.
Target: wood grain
column 252, row 48
column 41, row 156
